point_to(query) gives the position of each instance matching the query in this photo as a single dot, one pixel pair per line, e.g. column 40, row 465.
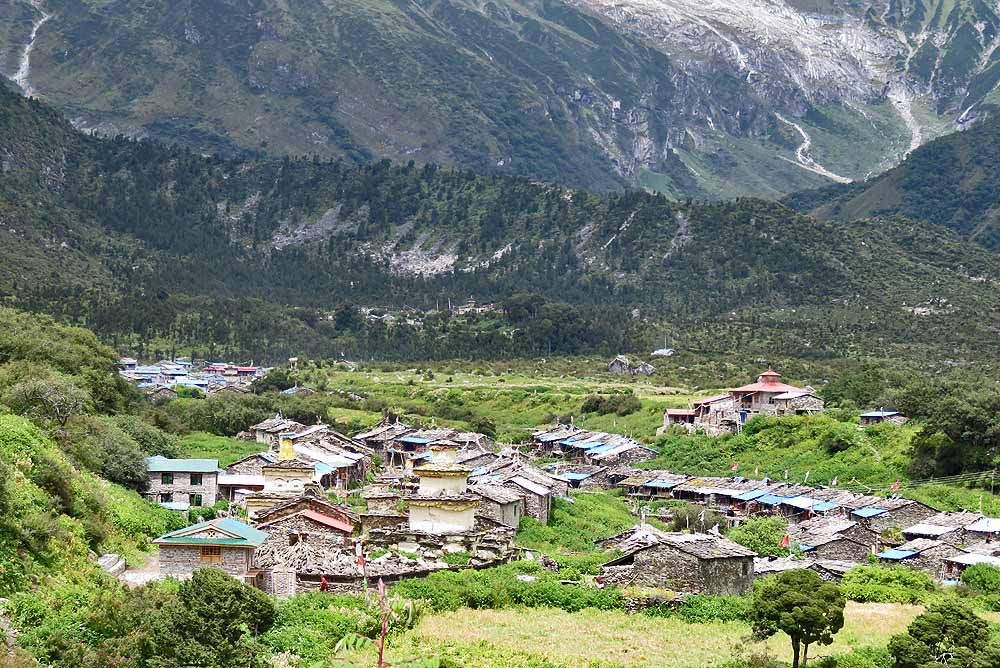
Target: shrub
column 620, row 403
column 704, row 608
column 886, row 584
column 762, row 535
column 982, row 578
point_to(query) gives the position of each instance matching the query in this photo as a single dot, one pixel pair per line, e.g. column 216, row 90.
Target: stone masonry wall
column 182, row 489
column 185, row 559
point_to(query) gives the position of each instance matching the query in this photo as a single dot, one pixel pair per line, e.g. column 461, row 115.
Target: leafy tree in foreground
column 949, row 634
column 799, row 603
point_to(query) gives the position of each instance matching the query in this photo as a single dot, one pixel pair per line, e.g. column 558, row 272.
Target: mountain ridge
column 150, row 244
column 679, row 97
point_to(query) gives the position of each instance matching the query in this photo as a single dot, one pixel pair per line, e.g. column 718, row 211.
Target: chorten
column 442, row 503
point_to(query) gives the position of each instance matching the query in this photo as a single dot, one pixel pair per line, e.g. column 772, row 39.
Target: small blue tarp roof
column 751, row 495
column 663, row 484
column 871, row 511
column 896, row 555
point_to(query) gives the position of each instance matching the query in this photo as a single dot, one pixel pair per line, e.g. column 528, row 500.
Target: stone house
column 682, row 562
column 880, row 416
column 269, row 431
column 182, row 481
column 311, row 501
column 499, row 504
column 536, row 497
column 802, row 402
column 727, row 413
column 945, row 527
column 309, row 521
column 986, row 529
column 922, row 554
column 977, row 553
column 881, row 514
column 222, row 543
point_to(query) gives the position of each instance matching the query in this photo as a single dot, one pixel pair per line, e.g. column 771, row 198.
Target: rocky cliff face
column 693, row 98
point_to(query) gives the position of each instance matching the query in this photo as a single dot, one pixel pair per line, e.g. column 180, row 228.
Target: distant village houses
column 728, row 412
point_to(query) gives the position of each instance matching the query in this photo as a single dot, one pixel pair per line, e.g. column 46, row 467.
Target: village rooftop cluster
column 442, row 498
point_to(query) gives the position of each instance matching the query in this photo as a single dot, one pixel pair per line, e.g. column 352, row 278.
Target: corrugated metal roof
column 752, row 494
column 985, row 525
column 771, row 499
column 239, row 534
column 924, row 529
column 663, row 484
column 871, row 511
column 896, row 555
column 158, row 464
column 529, row 485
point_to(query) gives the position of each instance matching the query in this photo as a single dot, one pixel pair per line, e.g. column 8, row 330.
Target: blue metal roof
column 601, row 449
column 771, row 499
column 805, row 547
column 751, row 495
column 663, row 484
column 871, row 511
column 896, row 555
column 158, row 464
column 574, row 476
column 416, row 440
column 824, row 506
column 478, row 471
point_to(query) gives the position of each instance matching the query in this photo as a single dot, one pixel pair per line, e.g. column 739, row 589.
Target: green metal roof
column 247, row 535
column 159, row 464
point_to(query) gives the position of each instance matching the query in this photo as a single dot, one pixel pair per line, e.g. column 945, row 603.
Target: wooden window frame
column 197, row 476
column 166, row 478
column 211, row 554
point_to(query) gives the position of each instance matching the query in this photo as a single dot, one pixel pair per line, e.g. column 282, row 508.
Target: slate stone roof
column 495, row 493
column 700, row 545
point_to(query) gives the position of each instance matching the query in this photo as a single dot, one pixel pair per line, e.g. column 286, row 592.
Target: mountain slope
column 152, row 245
column 949, row 182
column 691, row 99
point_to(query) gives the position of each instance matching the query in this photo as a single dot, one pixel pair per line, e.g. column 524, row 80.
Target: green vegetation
column 871, row 459
column 576, row 523
column 800, row 604
column 199, row 445
column 949, row 630
column 219, row 257
column 945, row 182
column 887, row 584
column 763, row 535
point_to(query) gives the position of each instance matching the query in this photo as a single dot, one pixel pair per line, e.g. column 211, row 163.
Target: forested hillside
column 953, row 182
column 156, row 248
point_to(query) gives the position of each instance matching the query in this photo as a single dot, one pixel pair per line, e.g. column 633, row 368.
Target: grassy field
column 209, row 446
column 516, row 401
column 547, row 638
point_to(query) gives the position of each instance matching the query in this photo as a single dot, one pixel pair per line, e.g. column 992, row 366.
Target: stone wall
column 843, row 549
column 182, row 489
column 669, row 568
column 931, row 561
column 185, row 559
column 307, row 525
column 508, row 514
column 534, row 505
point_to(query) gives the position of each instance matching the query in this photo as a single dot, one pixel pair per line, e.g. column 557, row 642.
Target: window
column 211, row 553
column 166, row 498
column 196, row 480
column 167, row 478
column 196, row 500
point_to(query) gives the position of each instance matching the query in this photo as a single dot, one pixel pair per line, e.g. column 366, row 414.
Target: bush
column 703, row 608
column 886, row 584
column 498, row 588
column 695, row 517
column 982, row 578
column 762, row 535
column 620, row 403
